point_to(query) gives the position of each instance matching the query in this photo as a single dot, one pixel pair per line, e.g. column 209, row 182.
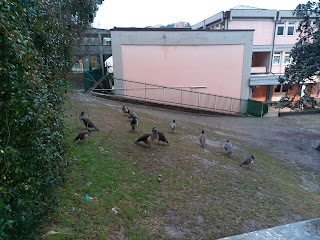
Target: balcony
column 258, row 70
column 264, row 79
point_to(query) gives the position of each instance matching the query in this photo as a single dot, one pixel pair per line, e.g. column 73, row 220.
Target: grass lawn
column 204, row 194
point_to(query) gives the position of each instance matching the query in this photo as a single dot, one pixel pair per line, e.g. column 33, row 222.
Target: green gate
column 256, row 108
column 90, row 77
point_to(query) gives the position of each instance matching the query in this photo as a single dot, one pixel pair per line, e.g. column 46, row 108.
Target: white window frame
column 286, row 56
column 291, row 24
column 280, row 25
column 277, row 54
column 106, row 41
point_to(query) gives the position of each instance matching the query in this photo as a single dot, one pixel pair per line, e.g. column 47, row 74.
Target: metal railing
column 181, row 97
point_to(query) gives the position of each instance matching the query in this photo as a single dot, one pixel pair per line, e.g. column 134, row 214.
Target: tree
column 305, row 55
column 305, row 67
column 37, row 38
column 170, row 25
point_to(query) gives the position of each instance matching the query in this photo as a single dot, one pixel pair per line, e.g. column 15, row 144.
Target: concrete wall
column 263, row 34
column 197, row 68
column 288, row 39
column 217, row 61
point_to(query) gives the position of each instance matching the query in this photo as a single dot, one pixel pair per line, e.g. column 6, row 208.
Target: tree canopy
column 37, row 39
column 305, row 55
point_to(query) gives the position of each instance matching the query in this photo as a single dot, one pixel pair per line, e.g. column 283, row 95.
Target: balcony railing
column 256, row 70
column 181, row 97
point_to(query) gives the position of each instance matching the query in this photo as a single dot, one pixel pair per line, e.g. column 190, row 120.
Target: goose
column 125, row 109
column 82, row 135
column 202, row 138
column 248, row 160
column 132, row 114
column 173, row 125
column 227, row 146
column 87, row 121
column 134, row 123
column 147, row 138
column 161, row 137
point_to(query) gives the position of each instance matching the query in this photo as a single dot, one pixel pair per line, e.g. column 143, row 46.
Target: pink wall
column 218, row 68
column 277, row 69
column 287, row 39
column 263, row 33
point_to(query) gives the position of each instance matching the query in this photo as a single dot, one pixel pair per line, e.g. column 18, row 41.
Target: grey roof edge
column 177, row 30
column 236, row 12
column 217, row 17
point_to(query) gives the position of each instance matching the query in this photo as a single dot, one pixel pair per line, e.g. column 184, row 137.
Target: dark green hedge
column 36, row 44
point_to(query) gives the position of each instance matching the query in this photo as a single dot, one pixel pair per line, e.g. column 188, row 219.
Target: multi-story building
column 94, row 50
column 275, row 33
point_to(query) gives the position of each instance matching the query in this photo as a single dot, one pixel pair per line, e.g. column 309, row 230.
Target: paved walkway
column 274, row 112
column 306, row 230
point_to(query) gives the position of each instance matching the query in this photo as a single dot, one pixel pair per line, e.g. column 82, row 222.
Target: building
column 215, row 56
column 94, row 50
column 169, row 60
column 274, row 36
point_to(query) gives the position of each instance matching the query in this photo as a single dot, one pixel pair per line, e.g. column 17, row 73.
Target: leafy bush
column 36, row 39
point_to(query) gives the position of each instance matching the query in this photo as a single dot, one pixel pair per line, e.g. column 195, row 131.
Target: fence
column 90, row 77
column 256, row 108
column 184, row 98
column 95, row 78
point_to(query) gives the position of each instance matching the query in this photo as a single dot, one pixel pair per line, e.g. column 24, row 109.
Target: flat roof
column 176, row 29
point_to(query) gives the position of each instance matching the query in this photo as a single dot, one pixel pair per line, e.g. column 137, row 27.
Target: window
column 276, row 59
column 287, row 59
column 217, row 27
column 280, row 29
column 106, row 41
column 291, row 28
column 285, row 88
column 88, row 41
column 281, row 88
column 278, row 88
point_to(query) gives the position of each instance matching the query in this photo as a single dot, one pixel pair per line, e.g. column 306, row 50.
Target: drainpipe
column 271, row 55
column 273, row 41
column 100, row 54
column 226, row 15
column 268, row 93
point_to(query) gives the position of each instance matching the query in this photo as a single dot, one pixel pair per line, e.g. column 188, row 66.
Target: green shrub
column 36, row 42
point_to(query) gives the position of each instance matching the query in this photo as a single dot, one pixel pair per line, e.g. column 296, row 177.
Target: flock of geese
column 149, row 137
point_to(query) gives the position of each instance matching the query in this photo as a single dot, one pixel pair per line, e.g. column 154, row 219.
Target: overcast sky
column 142, row 13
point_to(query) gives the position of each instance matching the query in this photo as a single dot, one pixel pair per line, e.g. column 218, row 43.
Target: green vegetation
column 37, row 40
column 305, row 69
column 203, row 194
